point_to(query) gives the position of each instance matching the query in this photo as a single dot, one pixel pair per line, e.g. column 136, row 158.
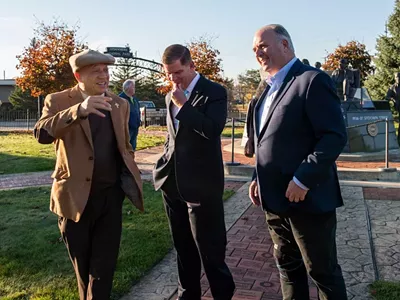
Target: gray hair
column 127, row 84
column 281, row 33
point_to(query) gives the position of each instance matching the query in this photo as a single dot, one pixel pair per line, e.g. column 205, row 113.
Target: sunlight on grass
column 34, row 263
column 21, row 153
column 384, row 290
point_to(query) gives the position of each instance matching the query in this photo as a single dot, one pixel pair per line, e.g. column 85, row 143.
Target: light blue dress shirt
column 275, row 82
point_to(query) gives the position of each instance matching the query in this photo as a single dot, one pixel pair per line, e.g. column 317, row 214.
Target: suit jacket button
column 87, row 179
column 90, row 157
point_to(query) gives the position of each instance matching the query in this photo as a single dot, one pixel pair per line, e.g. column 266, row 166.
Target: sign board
column 369, row 136
column 118, row 49
column 123, row 52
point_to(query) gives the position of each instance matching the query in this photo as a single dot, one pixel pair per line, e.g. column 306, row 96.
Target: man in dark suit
column 191, row 176
column 299, row 133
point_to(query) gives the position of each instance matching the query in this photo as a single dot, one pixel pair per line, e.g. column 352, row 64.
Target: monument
column 345, row 80
column 363, row 116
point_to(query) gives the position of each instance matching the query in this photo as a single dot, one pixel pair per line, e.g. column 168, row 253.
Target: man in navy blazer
column 299, row 133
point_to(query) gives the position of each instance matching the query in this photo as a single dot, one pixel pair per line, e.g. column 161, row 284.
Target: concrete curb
column 344, row 173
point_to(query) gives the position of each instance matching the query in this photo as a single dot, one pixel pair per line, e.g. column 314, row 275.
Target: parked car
column 147, row 104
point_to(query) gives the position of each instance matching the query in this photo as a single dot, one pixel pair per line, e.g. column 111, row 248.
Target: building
column 6, row 88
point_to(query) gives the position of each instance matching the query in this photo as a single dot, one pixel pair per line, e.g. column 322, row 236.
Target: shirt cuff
column 296, row 181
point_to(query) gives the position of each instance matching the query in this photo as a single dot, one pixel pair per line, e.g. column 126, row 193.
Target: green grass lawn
column 20, row 152
column 34, row 263
column 227, row 132
column 383, row 290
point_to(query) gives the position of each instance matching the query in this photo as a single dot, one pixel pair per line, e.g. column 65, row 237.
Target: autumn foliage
column 44, row 63
column 356, row 54
column 206, row 60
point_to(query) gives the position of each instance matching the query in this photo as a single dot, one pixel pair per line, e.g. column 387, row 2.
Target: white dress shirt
column 188, row 92
column 275, row 82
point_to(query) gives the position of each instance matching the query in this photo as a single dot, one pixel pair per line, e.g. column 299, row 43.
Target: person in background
column 393, row 94
column 128, row 93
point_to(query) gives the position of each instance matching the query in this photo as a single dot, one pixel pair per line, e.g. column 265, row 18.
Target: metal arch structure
column 141, row 63
column 145, row 64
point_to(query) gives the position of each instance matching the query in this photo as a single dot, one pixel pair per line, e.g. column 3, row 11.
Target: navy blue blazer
column 193, row 151
column 303, row 135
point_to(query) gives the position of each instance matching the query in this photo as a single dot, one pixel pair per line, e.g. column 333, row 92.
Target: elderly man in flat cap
column 95, row 169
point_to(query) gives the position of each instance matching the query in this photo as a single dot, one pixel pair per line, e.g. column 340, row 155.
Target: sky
column 316, row 27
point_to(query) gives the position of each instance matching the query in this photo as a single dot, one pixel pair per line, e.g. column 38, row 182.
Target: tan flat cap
column 89, row 57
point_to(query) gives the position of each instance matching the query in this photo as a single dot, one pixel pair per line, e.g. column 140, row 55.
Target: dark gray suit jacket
column 193, row 151
column 303, row 136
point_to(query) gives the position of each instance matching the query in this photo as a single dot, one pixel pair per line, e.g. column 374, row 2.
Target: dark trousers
column 306, row 244
column 133, row 133
column 199, row 235
column 93, row 243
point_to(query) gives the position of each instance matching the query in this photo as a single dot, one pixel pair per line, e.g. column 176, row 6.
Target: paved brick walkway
column 25, row 180
column 249, row 256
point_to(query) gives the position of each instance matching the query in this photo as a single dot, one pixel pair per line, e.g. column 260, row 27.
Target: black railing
column 234, row 121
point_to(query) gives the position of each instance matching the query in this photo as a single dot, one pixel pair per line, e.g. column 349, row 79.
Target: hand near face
column 178, row 96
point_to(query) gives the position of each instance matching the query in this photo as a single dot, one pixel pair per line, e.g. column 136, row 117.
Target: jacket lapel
column 195, row 96
column 75, row 98
column 117, row 120
column 287, row 82
column 257, row 109
column 170, row 116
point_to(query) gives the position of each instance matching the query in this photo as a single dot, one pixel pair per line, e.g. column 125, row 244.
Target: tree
column 229, row 85
column 387, row 60
column 126, row 69
column 206, row 60
column 247, row 84
column 356, row 54
column 147, row 89
column 22, row 99
column 44, row 63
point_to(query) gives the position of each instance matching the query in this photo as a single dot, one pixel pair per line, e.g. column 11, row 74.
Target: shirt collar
column 192, row 84
column 281, row 74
